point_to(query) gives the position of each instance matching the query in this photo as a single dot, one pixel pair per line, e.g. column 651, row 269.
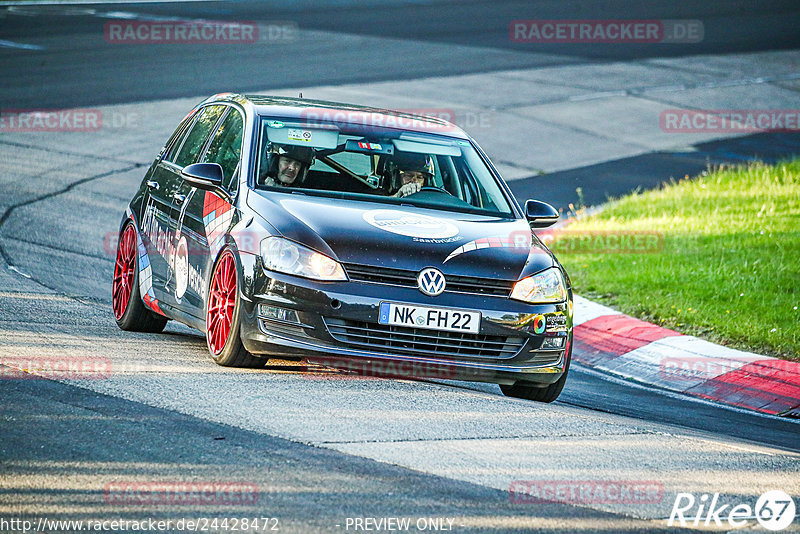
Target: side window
column 177, row 138
column 226, row 146
column 197, row 136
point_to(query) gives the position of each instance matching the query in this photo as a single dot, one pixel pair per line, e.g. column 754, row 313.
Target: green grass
column 728, row 268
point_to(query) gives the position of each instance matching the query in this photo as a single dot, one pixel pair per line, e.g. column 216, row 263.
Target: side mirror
column 540, row 214
column 203, row 175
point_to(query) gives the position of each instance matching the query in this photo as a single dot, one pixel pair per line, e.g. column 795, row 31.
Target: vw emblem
column 431, row 281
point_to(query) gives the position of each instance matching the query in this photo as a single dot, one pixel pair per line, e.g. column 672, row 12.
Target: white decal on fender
column 518, row 240
column 181, row 267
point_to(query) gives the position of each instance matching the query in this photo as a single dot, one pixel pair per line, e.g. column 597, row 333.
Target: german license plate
column 430, row 318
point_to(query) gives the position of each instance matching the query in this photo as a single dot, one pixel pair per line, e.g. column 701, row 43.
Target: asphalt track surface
column 313, row 455
column 78, row 68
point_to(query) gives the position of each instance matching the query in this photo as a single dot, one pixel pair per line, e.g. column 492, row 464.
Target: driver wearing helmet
column 288, row 165
column 409, row 172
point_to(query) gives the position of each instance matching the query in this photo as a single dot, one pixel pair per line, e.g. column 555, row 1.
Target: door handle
column 153, row 185
column 180, row 199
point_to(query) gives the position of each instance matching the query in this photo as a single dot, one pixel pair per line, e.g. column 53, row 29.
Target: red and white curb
column 610, row 341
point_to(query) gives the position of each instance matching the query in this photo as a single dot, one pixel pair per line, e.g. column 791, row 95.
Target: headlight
column 547, row 286
column 288, row 257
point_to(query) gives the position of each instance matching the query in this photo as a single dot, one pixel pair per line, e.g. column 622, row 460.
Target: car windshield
column 380, row 164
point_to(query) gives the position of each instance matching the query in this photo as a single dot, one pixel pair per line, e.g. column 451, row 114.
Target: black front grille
column 422, row 342
column 406, row 278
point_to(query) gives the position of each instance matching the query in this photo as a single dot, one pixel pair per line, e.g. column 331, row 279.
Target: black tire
column 137, row 317
column 233, row 353
column 526, row 390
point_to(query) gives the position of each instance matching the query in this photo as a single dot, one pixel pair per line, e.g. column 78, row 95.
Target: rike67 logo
column 774, row 510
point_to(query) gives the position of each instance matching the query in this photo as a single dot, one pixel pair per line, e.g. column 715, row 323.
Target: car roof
column 350, row 114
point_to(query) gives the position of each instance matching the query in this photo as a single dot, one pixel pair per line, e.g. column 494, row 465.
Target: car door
column 205, row 216
column 157, row 207
column 170, row 183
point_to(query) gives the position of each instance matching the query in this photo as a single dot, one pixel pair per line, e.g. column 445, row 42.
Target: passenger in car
column 408, row 173
column 288, row 165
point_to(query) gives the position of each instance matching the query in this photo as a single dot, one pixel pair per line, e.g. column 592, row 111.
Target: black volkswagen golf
column 362, row 238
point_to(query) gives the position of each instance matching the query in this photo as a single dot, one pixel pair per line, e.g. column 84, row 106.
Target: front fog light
column 277, row 314
column 553, row 343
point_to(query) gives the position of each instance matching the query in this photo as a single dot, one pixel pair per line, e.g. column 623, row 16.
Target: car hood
column 404, row 236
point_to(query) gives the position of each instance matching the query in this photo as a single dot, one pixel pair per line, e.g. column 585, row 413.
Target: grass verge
column 716, row 256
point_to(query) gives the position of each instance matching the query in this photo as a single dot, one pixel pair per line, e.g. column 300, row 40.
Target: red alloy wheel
column 124, row 271
column 221, row 303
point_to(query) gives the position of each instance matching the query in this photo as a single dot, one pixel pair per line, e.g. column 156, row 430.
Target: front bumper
column 336, row 324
